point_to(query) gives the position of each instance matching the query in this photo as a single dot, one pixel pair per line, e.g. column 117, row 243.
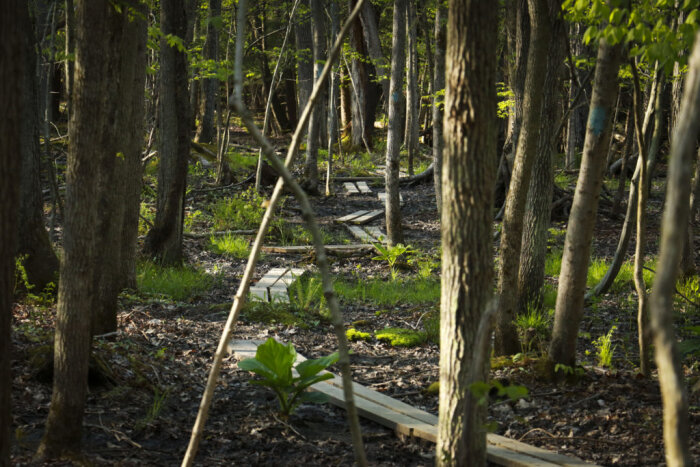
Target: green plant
column 691, row 345
column 568, row 370
column 230, row 245
column 192, row 218
column 401, row 337
column 176, row 283
column 306, row 296
column 147, row 215
column 354, row 335
column 605, row 348
column 482, row 390
column 425, row 264
column 392, row 255
column 243, row 211
column 274, row 361
column 552, row 265
column 533, row 327
column 432, row 327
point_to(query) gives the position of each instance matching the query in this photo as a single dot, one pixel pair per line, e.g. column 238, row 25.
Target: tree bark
column 118, row 223
column 673, row 387
column 688, row 260
column 364, row 91
column 210, row 86
column 318, row 27
column 576, row 129
column 438, row 99
column 370, row 28
column 577, row 245
column 14, row 23
column 164, row 240
column 304, row 45
column 34, row 247
column 507, row 341
column 539, row 198
column 334, row 91
column 412, row 98
column 393, row 143
column 467, row 258
column 93, row 157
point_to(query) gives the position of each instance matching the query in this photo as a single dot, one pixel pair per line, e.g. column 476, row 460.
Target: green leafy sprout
column 274, row 362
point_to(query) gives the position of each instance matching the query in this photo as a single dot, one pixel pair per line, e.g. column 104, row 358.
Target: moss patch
column 355, row 335
column 401, row 337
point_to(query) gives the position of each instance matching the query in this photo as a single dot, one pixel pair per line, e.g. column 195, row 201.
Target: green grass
column 388, row 293
column 244, row 211
column 597, row 269
column 230, row 245
column 176, row 283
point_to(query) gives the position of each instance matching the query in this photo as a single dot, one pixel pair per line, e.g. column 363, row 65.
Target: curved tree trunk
column 467, row 255
column 14, row 24
column 164, row 240
column 507, row 341
column 438, row 100
column 577, row 246
column 668, row 361
column 393, row 143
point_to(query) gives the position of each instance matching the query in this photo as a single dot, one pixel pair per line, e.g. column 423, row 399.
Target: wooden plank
column 410, row 421
column 533, row 451
column 361, row 233
column 338, row 250
column 352, row 216
column 368, row 217
column 377, row 233
column 259, row 293
column 363, row 187
column 350, row 188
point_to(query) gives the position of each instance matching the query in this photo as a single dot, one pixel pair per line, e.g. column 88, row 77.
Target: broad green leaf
column 515, row 391
column 277, row 357
column 311, row 367
column 254, row 365
column 311, row 380
column 314, row 397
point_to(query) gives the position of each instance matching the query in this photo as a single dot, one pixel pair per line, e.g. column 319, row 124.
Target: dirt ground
column 159, row 360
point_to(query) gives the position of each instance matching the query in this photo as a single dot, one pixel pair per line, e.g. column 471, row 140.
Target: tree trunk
column 668, row 361
column 164, row 240
column 467, row 257
column 34, row 247
column 393, row 141
column 318, row 27
column 539, row 199
column 507, row 341
column 118, row 224
column 639, row 285
column 333, row 138
column 688, row 260
column 364, row 91
column 70, row 47
column 14, row 24
column 93, row 157
column 576, row 129
column 305, row 66
column 370, row 28
column 412, row 98
column 210, row 86
column 438, row 100
column 577, row 246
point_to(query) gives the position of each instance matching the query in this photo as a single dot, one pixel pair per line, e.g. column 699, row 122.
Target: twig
column 240, row 296
column 585, row 399
column 537, row 429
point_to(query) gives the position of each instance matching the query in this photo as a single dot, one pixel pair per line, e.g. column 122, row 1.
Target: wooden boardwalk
column 273, row 285
column 410, row 421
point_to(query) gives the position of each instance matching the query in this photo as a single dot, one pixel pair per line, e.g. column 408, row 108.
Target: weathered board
column 410, row 421
column 350, row 188
column 273, row 285
column 377, row 233
column 367, row 234
column 369, row 216
column 337, row 250
column 363, row 187
column 351, row 216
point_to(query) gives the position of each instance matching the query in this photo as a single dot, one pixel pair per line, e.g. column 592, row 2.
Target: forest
column 363, row 232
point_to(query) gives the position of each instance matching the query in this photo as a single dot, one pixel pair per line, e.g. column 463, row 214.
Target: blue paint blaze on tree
column 395, row 96
column 596, row 120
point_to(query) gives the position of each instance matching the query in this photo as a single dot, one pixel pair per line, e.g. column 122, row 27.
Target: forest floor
column 142, row 405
